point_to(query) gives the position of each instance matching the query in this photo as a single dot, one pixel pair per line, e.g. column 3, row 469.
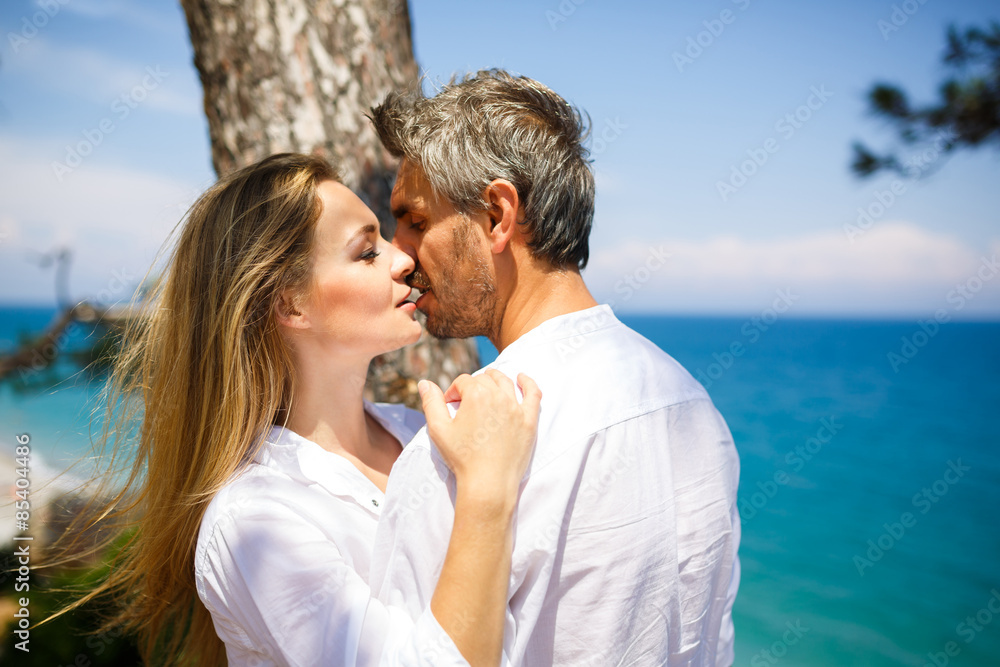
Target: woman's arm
column 281, row 591
column 274, row 568
column 487, row 446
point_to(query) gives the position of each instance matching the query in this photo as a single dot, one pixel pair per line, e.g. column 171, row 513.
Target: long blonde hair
column 200, row 377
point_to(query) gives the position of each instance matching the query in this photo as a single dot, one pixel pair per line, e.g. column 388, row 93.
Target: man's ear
column 505, row 211
column 286, row 312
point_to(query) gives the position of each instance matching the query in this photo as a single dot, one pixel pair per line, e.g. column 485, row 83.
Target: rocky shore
column 43, row 488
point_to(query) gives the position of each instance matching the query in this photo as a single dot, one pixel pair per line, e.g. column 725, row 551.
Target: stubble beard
column 466, row 294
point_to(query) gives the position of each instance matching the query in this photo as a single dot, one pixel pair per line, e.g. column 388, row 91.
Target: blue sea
column 870, row 482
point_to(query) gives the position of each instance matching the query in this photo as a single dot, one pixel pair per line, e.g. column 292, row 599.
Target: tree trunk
column 299, row 75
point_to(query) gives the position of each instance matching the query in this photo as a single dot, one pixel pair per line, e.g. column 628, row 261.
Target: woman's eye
column 370, row 255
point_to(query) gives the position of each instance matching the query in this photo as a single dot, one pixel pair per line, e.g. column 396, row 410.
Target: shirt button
column 374, row 502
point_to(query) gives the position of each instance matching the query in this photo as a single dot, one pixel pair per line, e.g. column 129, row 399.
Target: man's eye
column 417, row 226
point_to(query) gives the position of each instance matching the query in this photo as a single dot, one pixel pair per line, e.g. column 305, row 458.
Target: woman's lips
column 406, row 299
column 418, row 281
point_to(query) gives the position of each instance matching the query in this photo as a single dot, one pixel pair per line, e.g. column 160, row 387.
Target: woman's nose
column 402, row 263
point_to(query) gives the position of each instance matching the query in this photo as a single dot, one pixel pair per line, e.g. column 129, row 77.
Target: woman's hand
column 489, row 442
column 487, row 445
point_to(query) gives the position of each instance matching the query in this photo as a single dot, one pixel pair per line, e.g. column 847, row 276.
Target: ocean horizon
column 870, row 473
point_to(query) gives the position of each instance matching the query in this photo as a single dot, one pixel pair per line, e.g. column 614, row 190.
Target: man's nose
column 402, row 242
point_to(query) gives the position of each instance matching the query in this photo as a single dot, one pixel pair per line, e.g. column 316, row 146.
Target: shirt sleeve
column 281, row 593
column 414, row 529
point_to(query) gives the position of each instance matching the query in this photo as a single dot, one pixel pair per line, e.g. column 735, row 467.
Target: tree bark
column 299, row 75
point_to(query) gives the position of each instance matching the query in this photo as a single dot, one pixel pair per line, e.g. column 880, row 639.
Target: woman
column 260, row 468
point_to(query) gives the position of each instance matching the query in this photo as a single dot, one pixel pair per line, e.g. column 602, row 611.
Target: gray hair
column 494, row 125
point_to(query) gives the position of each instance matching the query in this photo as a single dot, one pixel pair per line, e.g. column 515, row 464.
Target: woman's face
column 357, row 303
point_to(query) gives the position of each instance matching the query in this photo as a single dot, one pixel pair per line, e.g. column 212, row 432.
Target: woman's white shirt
column 283, row 558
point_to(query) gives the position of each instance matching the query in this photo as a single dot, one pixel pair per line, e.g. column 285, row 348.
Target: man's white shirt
column 627, row 529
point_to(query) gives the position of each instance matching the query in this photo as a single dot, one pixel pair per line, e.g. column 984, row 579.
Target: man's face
column 453, row 267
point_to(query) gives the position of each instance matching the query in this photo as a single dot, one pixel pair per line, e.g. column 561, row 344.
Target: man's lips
column 422, row 298
column 417, row 280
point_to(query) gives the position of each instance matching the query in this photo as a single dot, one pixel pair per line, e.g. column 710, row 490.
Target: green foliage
column 967, row 114
column 73, row 638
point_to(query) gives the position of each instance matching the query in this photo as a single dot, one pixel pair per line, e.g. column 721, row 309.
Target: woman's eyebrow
column 364, row 231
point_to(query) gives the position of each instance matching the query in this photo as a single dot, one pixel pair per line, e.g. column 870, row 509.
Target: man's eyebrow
column 399, row 211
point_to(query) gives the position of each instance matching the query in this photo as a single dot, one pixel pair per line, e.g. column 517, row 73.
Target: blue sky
column 119, row 77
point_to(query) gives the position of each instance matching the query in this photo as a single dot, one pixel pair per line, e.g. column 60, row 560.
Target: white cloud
column 139, row 14
column 94, row 76
column 116, row 219
column 113, row 219
column 609, row 182
column 896, row 268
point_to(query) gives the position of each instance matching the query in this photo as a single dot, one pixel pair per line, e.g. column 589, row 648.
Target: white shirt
column 627, row 527
column 283, row 557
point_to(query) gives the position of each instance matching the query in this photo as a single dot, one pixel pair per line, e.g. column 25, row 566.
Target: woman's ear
column 286, row 312
column 505, row 212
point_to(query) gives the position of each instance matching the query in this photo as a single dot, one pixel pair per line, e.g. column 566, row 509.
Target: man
column 627, row 527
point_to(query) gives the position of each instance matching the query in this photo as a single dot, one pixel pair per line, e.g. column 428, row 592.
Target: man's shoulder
column 600, row 360
column 639, row 353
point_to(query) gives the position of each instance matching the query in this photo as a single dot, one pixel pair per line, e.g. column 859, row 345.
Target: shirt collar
column 569, row 325
column 308, row 463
